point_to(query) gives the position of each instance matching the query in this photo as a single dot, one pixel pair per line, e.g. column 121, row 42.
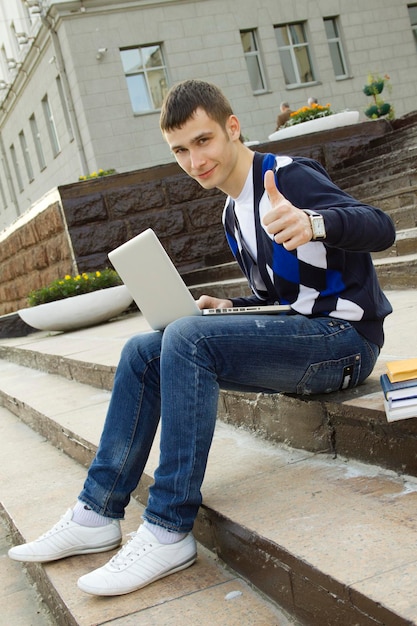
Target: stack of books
column 399, row 386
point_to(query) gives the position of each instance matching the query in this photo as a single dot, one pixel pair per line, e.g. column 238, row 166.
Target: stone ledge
column 12, row 325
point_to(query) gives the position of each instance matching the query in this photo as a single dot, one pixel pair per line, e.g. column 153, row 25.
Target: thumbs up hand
column 289, row 225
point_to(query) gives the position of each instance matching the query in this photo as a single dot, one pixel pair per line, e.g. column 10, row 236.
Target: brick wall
column 32, row 256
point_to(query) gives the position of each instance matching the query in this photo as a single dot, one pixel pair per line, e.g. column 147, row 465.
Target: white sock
column 83, row 515
column 164, row 535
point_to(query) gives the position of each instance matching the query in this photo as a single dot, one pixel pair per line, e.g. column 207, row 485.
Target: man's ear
column 233, row 127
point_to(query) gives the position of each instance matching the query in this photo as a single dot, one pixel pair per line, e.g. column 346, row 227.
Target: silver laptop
column 156, row 286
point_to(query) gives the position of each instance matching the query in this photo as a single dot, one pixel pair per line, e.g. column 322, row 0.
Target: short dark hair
column 183, row 99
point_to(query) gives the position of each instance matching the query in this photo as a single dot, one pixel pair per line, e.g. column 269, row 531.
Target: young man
column 300, row 240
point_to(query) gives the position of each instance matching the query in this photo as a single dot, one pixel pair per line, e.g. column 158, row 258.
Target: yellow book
column 404, row 369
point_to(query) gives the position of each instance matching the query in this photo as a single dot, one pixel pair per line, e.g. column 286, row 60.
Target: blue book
column 395, row 392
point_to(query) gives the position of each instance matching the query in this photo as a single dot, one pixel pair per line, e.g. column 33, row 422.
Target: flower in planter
column 97, row 174
column 374, row 87
column 74, row 286
column 307, row 113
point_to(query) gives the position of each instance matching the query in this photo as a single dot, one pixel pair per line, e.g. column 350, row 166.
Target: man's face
column 206, row 151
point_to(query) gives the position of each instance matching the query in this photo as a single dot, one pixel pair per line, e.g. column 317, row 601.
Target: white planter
column 345, row 118
column 80, row 311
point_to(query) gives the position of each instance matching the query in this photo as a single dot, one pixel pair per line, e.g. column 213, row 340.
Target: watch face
column 317, row 224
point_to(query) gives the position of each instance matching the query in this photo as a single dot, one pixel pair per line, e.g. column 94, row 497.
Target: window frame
column 413, row 24
column 26, row 156
column 257, row 55
column 337, row 41
column 145, row 72
column 291, row 47
column 50, row 123
column 37, row 141
column 16, row 166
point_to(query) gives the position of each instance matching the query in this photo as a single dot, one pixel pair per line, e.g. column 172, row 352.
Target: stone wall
column 102, row 214
column 33, row 255
column 88, row 219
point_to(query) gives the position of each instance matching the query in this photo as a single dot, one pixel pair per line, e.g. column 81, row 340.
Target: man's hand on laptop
column 209, row 302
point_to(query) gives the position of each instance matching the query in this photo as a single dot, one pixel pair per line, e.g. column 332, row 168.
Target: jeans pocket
column 331, row 375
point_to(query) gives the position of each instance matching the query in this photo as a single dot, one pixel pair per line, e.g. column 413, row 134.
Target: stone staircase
column 312, row 516
column 309, row 504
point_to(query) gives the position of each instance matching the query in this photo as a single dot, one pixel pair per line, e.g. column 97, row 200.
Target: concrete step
column 390, row 142
column 385, row 185
column 312, row 531
column 18, row 593
column 377, row 166
column 397, row 272
column 32, row 501
column 351, row 423
column 405, row 244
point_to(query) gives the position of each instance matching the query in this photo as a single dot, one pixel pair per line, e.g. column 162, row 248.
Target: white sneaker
column 140, row 562
column 68, row 538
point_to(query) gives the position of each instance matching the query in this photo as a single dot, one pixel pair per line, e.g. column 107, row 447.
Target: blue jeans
column 177, row 375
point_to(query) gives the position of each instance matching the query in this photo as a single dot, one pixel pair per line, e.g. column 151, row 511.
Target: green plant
column 74, row 286
column 307, row 113
column 374, row 87
column 97, row 174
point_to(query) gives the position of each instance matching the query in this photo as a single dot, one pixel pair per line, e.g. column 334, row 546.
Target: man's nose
column 197, row 159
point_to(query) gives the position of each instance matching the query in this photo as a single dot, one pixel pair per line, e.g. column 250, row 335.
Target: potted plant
column 100, row 173
column 308, row 113
column 374, row 87
column 77, row 301
column 312, row 119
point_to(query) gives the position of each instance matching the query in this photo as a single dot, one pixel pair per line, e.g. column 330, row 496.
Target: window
column 294, row 54
column 146, row 77
column 64, row 107
column 16, row 168
column 37, row 141
column 335, row 46
column 26, row 155
column 3, row 195
column 412, row 11
column 50, row 123
column 253, row 60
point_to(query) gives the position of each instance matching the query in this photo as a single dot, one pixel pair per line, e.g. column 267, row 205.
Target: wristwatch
column 317, row 225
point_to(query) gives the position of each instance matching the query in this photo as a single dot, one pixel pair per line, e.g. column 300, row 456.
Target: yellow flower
column 98, row 274
column 78, row 277
column 67, row 277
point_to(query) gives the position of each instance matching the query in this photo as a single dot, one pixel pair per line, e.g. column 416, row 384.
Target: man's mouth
column 205, row 175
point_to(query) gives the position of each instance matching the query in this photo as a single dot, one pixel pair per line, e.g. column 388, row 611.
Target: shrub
column 74, row 286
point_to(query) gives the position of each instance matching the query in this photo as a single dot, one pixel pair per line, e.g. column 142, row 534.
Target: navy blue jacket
column 334, row 277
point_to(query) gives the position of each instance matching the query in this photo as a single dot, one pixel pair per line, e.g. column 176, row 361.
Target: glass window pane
column 282, row 36
column 248, row 42
column 331, row 28
column 254, row 71
column 138, row 93
column 337, row 60
column 297, row 33
column 303, row 64
column 131, row 60
column 158, row 87
column 152, row 56
column 413, row 15
column 287, row 67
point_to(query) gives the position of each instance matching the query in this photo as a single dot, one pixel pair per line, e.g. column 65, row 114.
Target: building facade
column 82, row 81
